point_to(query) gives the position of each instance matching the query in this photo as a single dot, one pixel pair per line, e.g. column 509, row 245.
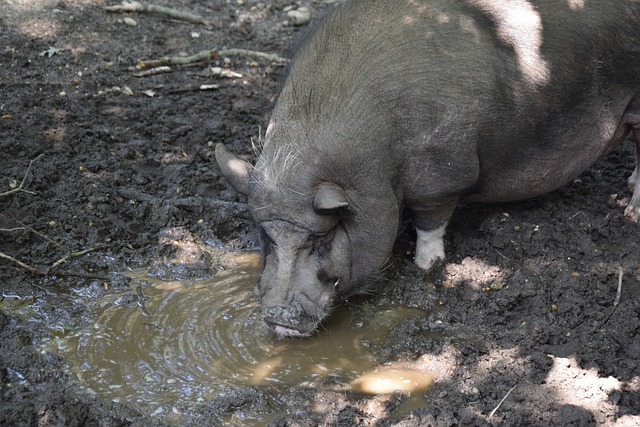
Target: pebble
column 298, row 17
column 130, row 22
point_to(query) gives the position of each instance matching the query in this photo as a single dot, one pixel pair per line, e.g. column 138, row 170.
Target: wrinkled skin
column 415, row 104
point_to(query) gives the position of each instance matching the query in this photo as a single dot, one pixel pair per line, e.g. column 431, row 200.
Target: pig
column 413, row 105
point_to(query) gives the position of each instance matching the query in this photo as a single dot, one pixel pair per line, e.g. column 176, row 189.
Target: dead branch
column 20, row 263
column 46, row 273
column 501, row 402
column 72, row 255
column 210, row 54
column 152, row 71
column 617, row 299
column 24, row 178
column 192, row 88
column 42, row 235
column 136, row 6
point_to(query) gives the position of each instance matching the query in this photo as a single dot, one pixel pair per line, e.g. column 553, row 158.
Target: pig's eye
column 321, row 244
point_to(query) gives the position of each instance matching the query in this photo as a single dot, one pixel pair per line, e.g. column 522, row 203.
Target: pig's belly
column 538, row 172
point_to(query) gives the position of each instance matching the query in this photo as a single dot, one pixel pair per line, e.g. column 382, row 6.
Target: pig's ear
column 235, row 170
column 329, row 199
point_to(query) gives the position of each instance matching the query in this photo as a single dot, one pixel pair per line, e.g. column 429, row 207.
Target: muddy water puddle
column 165, row 343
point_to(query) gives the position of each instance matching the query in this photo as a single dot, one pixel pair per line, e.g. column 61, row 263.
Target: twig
column 501, row 402
column 21, row 186
column 44, row 236
column 617, row 300
column 136, row 6
column 46, row 273
column 152, row 71
column 210, row 54
column 69, row 256
column 193, row 88
column 20, row 263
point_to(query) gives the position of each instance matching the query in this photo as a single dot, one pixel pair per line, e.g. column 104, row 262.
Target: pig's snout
column 291, row 320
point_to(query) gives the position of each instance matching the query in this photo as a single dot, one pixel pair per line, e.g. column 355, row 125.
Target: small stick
column 68, row 256
column 617, row 300
column 209, row 54
column 136, row 6
column 501, row 402
column 44, row 236
column 152, row 71
column 21, row 186
column 46, row 273
column 20, row 263
column 193, row 88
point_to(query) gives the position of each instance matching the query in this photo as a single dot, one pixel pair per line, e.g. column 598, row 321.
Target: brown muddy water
column 166, row 342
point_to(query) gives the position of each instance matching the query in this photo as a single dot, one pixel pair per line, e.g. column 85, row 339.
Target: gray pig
column 415, row 104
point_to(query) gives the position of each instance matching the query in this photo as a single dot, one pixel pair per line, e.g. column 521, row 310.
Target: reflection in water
column 170, row 342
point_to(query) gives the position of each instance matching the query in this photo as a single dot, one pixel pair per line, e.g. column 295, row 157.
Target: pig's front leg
column 633, row 209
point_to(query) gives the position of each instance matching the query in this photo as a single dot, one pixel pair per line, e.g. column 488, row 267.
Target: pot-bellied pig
column 415, row 104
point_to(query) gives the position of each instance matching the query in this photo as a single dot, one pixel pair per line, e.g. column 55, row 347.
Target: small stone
column 300, row 16
column 130, row 22
column 497, row 285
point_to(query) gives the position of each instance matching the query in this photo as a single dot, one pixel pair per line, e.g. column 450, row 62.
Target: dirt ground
column 94, row 158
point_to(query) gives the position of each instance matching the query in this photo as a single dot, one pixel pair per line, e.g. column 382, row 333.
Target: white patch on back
column 429, row 247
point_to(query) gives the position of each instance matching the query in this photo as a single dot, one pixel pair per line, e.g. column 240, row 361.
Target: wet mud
column 534, row 319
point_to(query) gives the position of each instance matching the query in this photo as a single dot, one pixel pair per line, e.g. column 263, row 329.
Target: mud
column 122, row 178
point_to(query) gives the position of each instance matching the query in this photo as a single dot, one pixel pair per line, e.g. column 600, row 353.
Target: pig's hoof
column 633, row 210
column 429, row 248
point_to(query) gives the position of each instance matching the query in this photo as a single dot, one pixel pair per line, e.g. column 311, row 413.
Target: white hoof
column 429, row 247
column 633, row 211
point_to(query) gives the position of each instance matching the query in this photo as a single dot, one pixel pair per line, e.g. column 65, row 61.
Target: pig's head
column 321, row 240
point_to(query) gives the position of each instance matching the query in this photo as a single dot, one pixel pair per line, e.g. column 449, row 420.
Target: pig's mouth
column 283, row 331
column 299, row 330
column 291, row 320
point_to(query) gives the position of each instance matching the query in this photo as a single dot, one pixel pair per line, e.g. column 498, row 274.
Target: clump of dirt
column 102, row 170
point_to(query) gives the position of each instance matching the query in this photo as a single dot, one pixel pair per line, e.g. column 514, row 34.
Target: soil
column 94, row 158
